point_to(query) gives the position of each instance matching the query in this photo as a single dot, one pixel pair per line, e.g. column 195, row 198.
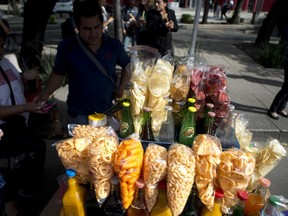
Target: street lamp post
column 195, row 27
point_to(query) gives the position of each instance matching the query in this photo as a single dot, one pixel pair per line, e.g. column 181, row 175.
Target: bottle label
column 188, row 132
column 124, row 126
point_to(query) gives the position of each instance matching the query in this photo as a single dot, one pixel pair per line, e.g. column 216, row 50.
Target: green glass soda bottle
column 191, row 208
column 126, row 122
column 209, row 123
column 146, row 132
column 188, row 132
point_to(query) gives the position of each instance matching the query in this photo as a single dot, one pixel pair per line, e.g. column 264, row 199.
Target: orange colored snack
column 128, row 166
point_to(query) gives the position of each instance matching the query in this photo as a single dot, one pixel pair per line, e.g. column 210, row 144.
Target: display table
column 52, row 208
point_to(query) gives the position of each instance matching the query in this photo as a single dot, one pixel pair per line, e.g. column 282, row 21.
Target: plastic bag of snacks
column 208, row 150
column 101, row 153
column 180, row 176
column 73, row 154
column 128, row 165
column 267, row 159
column 155, row 168
column 233, row 174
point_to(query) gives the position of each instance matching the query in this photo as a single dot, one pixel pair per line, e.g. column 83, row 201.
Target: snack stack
column 233, row 174
column 73, row 154
column 101, row 154
column 208, row 150
column 128, row 166
column 155, row 168
column 180, row 176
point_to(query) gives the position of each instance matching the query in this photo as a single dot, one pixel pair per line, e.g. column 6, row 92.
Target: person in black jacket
column 160, row 23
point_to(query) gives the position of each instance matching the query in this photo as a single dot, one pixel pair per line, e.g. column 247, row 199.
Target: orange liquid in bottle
column 254, row 204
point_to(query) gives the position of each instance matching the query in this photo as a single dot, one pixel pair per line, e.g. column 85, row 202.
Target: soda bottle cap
column 192, row 109
column 211, row 114
column 168, row 108
column 147, row 109
column 219, row 193
column 274, row 200
column 242, row 195
column 162, row 184
column 264, row 182
column 191, row 100
column 210, row 105
column 70, row 173
column 114, row 180
column 140, row 183
column 126, row 104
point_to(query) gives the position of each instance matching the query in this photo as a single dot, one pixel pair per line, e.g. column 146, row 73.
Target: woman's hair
column 86, row 8
column 3, row 34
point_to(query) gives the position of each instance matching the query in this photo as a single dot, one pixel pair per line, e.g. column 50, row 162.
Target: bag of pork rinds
column 233, row 174
column 180, row 176
column 128, row 165
column 154, row 170
column 73, row 154
column 101, row 154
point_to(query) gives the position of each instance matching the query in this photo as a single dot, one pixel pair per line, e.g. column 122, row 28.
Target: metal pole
column 195, row 27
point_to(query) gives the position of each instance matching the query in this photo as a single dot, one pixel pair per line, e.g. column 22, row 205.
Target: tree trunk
column 36, row 15
column 118, row 20
column 270, row 21
column 236, row 15
column 206, row 12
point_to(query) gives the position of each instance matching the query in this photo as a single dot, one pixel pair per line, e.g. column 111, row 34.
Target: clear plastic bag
column 180, row 176
column 128, row 165
column 155, row 168
column 101, row 153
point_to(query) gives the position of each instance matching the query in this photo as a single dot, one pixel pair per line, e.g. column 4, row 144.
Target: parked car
column 63, row 6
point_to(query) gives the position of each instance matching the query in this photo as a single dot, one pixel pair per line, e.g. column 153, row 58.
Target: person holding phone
column 27, row 150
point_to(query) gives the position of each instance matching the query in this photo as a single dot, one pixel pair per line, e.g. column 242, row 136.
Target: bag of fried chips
column 101, row 154
column 154, row 170
column 180, row 176
column 208, row 150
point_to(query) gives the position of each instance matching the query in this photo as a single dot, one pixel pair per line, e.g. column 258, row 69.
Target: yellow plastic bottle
column 161, row 207
column 216, row 211
column 74, row 197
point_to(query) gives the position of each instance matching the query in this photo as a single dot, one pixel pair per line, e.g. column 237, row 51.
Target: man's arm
column 125, row 77
column 54, row 82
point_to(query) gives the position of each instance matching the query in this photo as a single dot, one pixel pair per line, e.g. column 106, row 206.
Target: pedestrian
column 225, row 8
column 130, row 23
column 107, row 18
column 279, row 103
column 142, row 36
column 160, row 23
column 23, row 176
column 89, row 60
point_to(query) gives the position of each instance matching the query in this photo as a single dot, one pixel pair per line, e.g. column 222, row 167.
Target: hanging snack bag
column 101, row 154
column 208, row 150
column 128, row 165
column 180, row 176
column 155, row 168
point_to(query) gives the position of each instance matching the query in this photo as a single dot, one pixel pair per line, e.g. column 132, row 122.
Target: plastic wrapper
column 155, row 168
column 244, row 136
column 208, row 150
column 128, row 165
column 267, row 159
column 101, row 154
column 180, row 84
column 73, row 154
column 233, row 174
column 180, row 176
